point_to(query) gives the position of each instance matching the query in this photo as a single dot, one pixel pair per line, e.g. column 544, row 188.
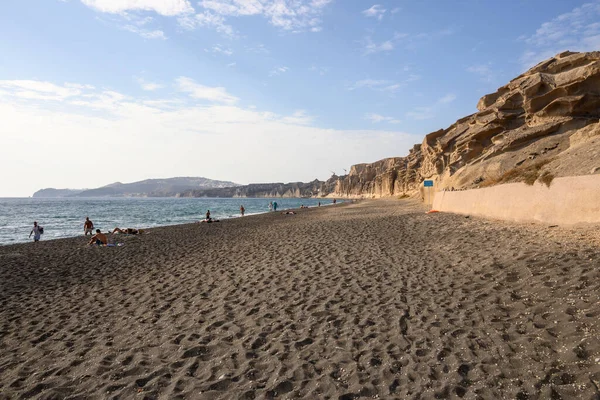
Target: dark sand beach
column 368, row 300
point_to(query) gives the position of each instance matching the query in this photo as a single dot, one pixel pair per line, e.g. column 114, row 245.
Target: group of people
column 97, row 238
column 209, row 219
column 100, row 238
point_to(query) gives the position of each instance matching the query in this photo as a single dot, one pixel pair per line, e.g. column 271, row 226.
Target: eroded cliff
column 543, row 124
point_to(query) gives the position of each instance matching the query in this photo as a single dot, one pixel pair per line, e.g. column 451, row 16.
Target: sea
column 64, row 217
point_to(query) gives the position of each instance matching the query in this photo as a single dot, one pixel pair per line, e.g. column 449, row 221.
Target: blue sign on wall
column 428, row 183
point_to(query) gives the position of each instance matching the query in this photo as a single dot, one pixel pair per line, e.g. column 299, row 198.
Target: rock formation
column 541, row 125
column 315, row 188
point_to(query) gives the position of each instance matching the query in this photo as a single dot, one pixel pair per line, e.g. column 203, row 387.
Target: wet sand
column 376, row 299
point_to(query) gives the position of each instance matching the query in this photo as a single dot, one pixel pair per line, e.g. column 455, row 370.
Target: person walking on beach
column 242, row 210
column 88, row 227
column 275, row 206
column 36, row 232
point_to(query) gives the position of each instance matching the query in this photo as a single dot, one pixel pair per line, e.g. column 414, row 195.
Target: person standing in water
column 242, row 210
column 36, row 231
column 207, row 214
column 270, row 206
column 275, row 206
column 88, row 226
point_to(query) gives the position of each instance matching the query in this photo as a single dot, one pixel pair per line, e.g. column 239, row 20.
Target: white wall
column 567, row 201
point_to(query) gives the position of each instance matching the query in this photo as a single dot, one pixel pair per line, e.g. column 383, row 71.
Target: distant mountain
column 169, row 187
column 53, row 193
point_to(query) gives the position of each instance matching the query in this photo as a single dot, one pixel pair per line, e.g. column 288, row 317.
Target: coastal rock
column 315, row 188
column 544, row 122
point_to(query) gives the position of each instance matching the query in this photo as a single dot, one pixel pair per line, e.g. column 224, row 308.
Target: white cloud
column 396, row 10
column 377, row 118
column 231, row 65
column 167, row 137
column 577, row 30
column 201, row 92
column 148, row 86
column 162, row 7
column 278, row 71
column 376, row 11
column 299, row 117
column 294, row 15
column 28, row 89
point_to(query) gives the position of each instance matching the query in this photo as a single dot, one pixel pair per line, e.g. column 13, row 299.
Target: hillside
column 315, row 188
column 541, row 125
column 54, row 193
column 147, row 188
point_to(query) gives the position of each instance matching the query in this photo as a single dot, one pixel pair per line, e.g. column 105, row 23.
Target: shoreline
column 371, row 299
column 73, row 234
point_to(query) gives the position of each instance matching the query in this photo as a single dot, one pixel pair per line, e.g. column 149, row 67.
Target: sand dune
column 368, row 300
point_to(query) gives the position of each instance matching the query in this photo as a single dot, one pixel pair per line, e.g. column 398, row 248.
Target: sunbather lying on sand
column 127, row 231
column 288, row 213
column 210, row 220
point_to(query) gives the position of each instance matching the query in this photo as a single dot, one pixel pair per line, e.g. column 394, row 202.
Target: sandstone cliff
column 541, row 125
column 315, row 188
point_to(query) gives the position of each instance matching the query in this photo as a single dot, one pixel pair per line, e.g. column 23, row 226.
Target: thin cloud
column 258, row 49
column 484, row 71
column 299, row 117
column 29, row 89
column 449, row 98
column 146, row 34
column 278, row 71
column 201, row 92
column 293, row 16
column 320, row 70
column 428, row 112
column 148, row 86
column 420, row 113
column 207, row 19
column 402, row 39
column 377, row 118
column 384, row 85
column 376, row 11
column 220, row 50
column 576, row 30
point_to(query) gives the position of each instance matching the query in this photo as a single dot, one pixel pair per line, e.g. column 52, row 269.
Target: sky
column 98, row 91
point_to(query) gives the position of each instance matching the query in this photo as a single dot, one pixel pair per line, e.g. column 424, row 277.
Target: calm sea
column 64, row 217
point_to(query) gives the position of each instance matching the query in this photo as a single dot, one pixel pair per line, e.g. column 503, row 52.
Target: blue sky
column 254, row 90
